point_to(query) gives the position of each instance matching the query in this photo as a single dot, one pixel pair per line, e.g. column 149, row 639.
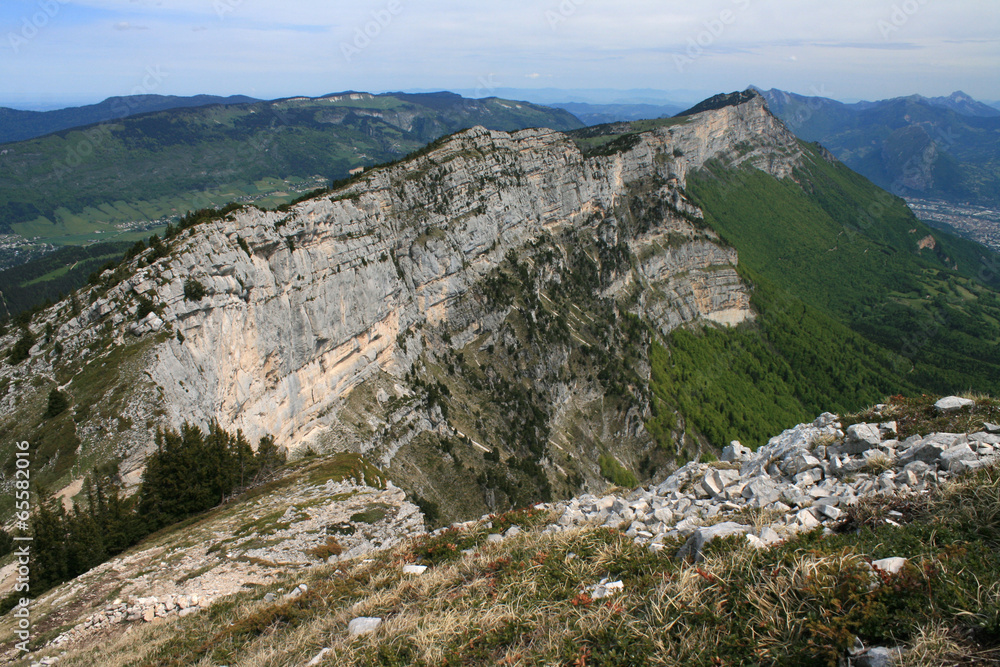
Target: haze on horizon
column 68, row 52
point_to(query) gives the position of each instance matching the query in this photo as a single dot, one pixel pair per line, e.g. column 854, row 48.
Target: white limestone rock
column 363, row 625
column 734, row 451
column 953, row 404
column 862, row 437
column 693, row 547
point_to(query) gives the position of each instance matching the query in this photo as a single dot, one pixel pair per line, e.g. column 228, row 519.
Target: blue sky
column 78, row 51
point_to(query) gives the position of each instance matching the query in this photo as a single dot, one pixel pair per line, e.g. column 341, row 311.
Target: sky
column 61, row 52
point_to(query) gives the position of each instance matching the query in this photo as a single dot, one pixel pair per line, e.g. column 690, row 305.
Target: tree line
column 190, row 472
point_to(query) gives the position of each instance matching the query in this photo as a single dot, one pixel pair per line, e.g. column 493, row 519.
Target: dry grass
column 524, row 601
column 878, row 463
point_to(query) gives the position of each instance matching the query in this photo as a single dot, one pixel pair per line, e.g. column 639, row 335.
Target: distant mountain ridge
column 600, row 114
column 18, row 125
column 160, row 165
column 964, row 104
column 945, row 148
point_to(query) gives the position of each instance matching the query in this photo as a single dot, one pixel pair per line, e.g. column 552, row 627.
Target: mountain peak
column 724, row 100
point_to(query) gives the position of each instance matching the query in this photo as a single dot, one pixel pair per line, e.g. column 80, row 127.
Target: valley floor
column 973, row 222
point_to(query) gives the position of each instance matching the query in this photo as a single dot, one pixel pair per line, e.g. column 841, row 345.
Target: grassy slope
column 750, row 383
column 523, row 601
column 849, row 250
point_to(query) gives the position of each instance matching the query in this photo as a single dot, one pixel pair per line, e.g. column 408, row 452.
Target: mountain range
column 539, row 311
column 18, row 125
column 161, row 165
column 943, row 148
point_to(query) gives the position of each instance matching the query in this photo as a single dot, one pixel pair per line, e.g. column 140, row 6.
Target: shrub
column 21, row 350
column 193, row 290
column 324, row 551
column 146, row 306
column 243, row 244
column 371, row 515
column 58, row 403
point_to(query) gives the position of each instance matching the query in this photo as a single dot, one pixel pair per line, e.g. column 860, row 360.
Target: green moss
column 371, row 514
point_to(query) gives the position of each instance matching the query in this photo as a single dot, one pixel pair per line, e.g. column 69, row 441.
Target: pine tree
column 49, row 555
column 58, row 403
column 269, row 457
column 85, row 545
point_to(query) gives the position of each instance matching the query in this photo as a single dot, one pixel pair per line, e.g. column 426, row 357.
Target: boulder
column 717, row 481
column 829, row 511
column 769, row 536
column 991, row 428
column 925, row 452
column 735, row 452
column 801, row 463
column 664, row 514
column 889, row 565
column 808, row 477
column 702, row 536
column 826, row 419
column 807, row 520
column 861, row 438
column 877, row 657
column 952, row 457
column 953, row 404
column 888, row 430
column 761, row 491
column 363, row 625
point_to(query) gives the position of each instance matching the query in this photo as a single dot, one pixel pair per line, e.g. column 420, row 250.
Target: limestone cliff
column 492, row 263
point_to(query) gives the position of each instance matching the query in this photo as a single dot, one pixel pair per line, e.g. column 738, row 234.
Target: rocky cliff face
column 488, row 275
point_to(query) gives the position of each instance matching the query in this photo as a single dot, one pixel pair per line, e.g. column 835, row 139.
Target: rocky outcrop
column 809, row 476
column 298, row 525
